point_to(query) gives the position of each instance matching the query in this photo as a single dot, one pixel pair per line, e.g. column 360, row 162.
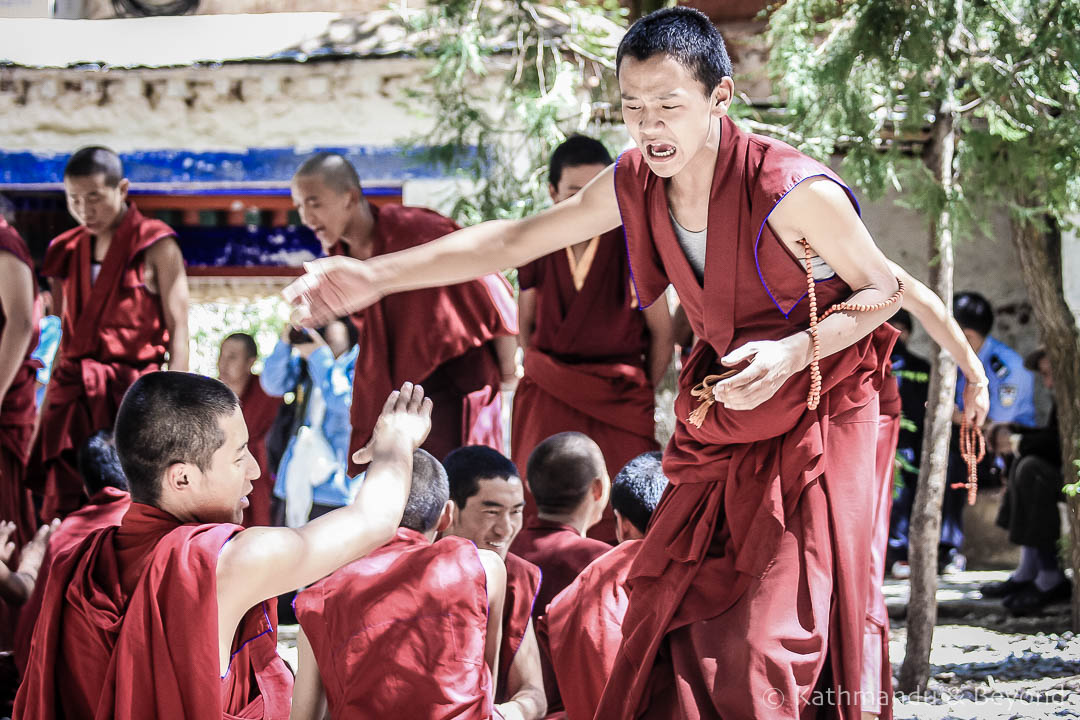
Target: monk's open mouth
column 661, row 151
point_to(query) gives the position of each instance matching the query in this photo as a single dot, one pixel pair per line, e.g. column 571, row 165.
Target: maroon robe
column 416, row 647
column 113, row 332
column 877, row 673
column 753, row 573
column 128, row 630
column 17, row 412
column 585, row 369
column 581, row 629
column 522, row 585
column 105, row 509
column 439, row 337
column 260, row 410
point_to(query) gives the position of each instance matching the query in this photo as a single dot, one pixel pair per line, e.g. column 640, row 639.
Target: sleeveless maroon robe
column 522, row 585
column 17, row 412
column 560, row 553
column 438, row 337
column 585, row 369
column 401, row 631
column 754, row 571
column 105, row 509
column 582, row 629
column 128, row 630
column 259, row 410
column 113, row 332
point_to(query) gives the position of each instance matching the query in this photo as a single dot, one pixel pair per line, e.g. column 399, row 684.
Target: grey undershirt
column 693, row 246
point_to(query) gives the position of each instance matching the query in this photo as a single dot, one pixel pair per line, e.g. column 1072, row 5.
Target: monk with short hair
column 425, row 641
column 593, row 358
column 119, row 280
column 582, row 627
column 770, row 507
column 116, row 636
column 236, row 357
column 463, row 351
column 487, row 501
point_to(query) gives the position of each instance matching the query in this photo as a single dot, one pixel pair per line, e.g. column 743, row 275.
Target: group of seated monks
column 425, row 597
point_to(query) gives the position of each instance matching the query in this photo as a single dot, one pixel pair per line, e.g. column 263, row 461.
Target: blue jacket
column 334, row 377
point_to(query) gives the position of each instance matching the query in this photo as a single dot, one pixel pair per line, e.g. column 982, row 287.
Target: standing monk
column 427, row 641
column 769, row 466
column 458, row 341
column 170, row 614
column 582, row 627
column 120, row 283
column 487, row 501
column 592, row 357
column 236, row 357
column 18, row 338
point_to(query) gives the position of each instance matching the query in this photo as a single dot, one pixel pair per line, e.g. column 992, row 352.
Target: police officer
column 1012, row 400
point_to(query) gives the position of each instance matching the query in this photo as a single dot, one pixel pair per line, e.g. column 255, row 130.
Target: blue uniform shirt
column 1012, row 386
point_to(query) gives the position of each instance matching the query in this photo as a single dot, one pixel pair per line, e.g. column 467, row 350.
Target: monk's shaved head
column 333, row 169
column 168, row 418
column 429, row 493
column 636, row 489
column 561, row 471
column 95, row 160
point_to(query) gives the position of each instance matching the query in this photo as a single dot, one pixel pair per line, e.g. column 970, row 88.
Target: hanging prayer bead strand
column 972, row 450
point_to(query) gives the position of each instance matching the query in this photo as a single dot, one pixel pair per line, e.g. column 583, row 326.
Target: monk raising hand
column 170, row 614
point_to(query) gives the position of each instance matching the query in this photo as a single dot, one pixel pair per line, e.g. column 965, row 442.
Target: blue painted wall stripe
column 254, row 167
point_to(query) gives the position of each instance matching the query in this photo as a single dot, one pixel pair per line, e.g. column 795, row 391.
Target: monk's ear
column 124, row 185
column 446, row 517
column 721, row 97
column 553, row 193
column 355, row 197
column 177, row 477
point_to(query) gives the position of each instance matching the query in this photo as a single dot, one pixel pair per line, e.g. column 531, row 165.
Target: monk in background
column 593, row 358
column 581, row 629
column 568, row 478
column 120, row 283
column 107, row 487
column 236, row 357
column 18, row 338
column 170, row 614
column 425, row 641
column 487, row 500
column 458, row 341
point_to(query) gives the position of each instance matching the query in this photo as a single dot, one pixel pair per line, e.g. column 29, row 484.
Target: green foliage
column 868, row 76
column 210, row 323
column 509, row 81
column 1073, row 489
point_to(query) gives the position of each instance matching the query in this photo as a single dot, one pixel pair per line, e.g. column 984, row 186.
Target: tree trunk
column 1040, row 263
column 926, row 513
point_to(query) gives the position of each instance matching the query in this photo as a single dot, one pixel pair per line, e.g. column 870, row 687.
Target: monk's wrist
column 385, row 274
column 801, row 348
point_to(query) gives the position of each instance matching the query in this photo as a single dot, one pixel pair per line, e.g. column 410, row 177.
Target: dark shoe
column 1032, row 601
column 1003, row 589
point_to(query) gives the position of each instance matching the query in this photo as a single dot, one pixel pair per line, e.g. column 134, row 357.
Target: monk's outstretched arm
column 261, row 563
column 17, row 305
column 525, row 682
column 172, row 284
column 337, row 286
column 661, row 339
column 819, row 211
column 924, row 304
column 309, row 697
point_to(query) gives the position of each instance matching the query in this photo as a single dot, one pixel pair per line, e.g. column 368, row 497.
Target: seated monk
column 235, row 359
column 487, row 501
column 568, row 478
column 107, row 487
column 428, row 635
column 116, row 636
column 582, row 627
